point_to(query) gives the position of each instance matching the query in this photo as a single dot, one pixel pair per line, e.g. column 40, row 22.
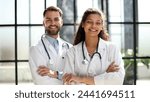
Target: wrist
column 59, row 75
column 52, row 74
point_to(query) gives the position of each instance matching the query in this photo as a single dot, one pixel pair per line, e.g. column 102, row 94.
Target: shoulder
column 74, row 49
column 36, row 47
column 109, row 44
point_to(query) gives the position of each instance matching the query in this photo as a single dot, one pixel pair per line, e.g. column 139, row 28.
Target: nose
column 52, row 22
column 94, row 24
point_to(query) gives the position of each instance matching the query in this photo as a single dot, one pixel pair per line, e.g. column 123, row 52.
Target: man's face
column 52, row 22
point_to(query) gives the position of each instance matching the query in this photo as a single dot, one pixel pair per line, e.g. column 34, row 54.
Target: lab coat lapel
column 101, row 47
column 86, row 52
column 60, row 46
column 50, row 47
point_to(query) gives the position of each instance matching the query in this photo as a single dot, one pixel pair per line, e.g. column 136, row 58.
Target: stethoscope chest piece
column 85, row 62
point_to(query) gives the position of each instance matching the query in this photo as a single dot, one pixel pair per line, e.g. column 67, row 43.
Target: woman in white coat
column 93, row 61
column 45, row 57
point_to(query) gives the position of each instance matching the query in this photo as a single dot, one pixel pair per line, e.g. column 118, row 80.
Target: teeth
column 93, row 30
column 52, row 27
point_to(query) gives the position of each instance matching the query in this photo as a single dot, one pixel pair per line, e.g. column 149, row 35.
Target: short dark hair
column 53, row 8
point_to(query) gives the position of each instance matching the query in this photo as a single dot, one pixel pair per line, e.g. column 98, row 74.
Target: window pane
column 122, row 36
column 87, row 4
column 24, row 74
column 37, row 8
column 36, row 33
column 129, row 71
column 7, row 47
column 7, row 72
column 7, row 12
column 116, row 33
column 23, row 12
column 116, row 10
column 67, row 7
column 67, row 33
column 23, row 43
column 143, row 6
column 144, row 35
column 51, row 3
column 143, row 72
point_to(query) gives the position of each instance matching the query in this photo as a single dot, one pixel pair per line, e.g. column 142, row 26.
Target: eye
column 89, row 22
column 56, row 19
column 98, row 23
column 48, row 20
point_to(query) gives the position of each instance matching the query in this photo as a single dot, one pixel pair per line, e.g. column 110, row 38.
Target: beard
column 50, row 31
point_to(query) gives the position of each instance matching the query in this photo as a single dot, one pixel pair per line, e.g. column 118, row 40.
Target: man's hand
column 44, row 71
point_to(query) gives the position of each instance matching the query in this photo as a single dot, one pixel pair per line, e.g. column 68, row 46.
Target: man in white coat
column 45, row 57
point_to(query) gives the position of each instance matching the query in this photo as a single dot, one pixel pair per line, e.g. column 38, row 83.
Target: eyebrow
column 96, row 20
column 50, row 18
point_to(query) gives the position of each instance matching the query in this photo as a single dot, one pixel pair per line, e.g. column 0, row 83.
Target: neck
column 54, row 36
column 91, row 44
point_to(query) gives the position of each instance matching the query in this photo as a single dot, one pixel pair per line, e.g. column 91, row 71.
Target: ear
column 62, row 22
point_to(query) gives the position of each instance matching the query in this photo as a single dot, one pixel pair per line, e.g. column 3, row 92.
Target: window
column 21, row 27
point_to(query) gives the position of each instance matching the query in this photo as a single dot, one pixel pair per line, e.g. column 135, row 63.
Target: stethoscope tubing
column 64, row 44
column 84, row 58
column 45, row 48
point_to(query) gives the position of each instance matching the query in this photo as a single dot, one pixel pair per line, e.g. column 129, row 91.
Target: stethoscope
column 64, row 45
column 85, row 61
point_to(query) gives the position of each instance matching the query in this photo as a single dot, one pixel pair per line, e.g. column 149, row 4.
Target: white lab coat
column 96, row 67
column 38, row 56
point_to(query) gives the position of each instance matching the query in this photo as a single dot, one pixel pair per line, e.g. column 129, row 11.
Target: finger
column 68, row 77
column 111, row 64
column 71, row 81
column 64, row 76
column 116, row 69
column 51, row 74
column 43, row 73
column 115, row 65
column 111, row 69
column 42, row 69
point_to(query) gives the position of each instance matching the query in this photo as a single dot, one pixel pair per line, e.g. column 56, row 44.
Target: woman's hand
column 69, row 79
column 112, row 67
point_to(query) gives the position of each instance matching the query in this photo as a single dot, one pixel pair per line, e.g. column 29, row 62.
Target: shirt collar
column 51, row 40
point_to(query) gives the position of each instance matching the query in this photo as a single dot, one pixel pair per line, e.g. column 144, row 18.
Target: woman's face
column 93, row 25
